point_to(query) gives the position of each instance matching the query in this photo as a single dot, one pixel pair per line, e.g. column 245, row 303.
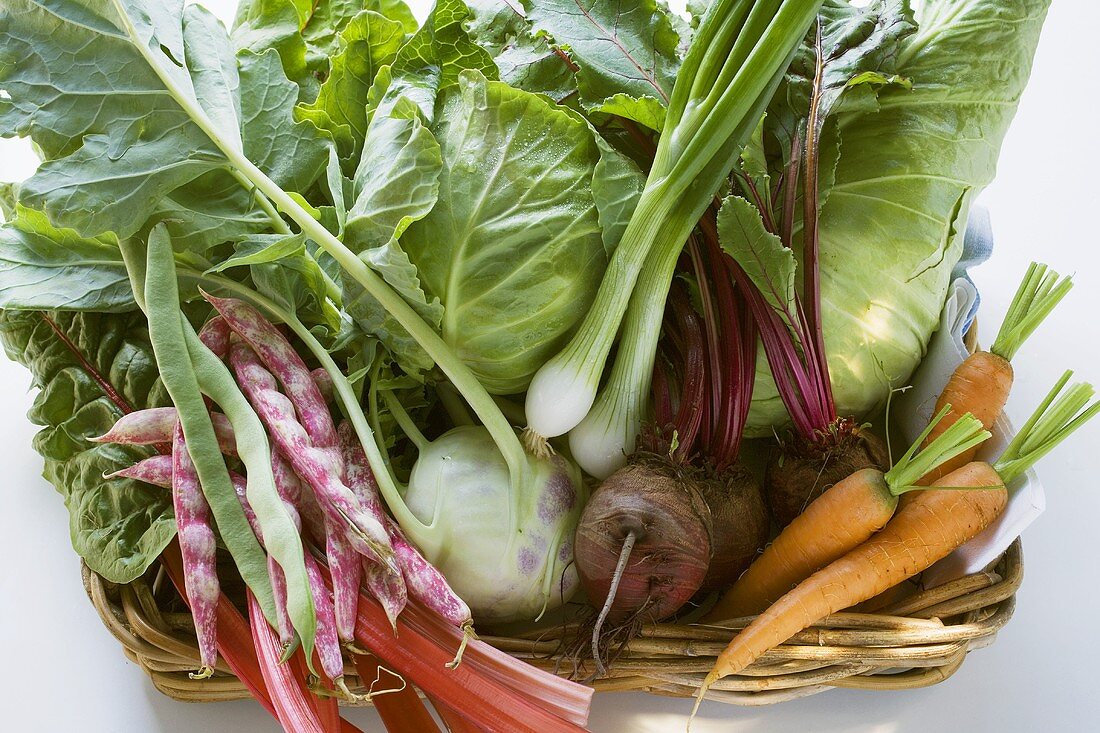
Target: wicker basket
column 916, row 642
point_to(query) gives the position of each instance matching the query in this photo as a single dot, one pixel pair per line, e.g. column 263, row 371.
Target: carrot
column 980, row 385
column 863, row 503
column 929, row 527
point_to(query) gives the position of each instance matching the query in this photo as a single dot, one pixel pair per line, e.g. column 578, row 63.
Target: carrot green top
column 964, row 434
column 1041, row 290
column 1053, row 421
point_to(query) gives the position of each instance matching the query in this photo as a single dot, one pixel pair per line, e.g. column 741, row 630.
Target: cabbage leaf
column 909, row 170
column 513, row 248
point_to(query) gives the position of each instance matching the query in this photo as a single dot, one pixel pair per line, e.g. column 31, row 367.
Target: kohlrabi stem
column 455, row 407
column 478, row 398
column 277, row 223
column 461, row 377
column 404, row 421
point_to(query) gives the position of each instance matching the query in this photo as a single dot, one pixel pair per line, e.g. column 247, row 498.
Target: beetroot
column 739, row 525
column 800, row 472
column 658, row 520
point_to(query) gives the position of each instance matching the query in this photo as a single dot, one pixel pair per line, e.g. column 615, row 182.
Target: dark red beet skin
column 799, row 473
column 740, row 525
column 669, row 519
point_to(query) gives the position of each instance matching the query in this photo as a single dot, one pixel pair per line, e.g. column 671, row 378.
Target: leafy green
column 525, row 60
column 369, row 42
column 46, row 268
column 616, row 187
column 904, row 184
column 119, row 139
column 9, row 195
column 432, row 60
column 767, row 263
column 119, row 526
column 397, row 183
column 626, row 53
column 859, row 48
column 513, row 248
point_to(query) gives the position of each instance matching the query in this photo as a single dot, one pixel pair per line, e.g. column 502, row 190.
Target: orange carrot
column 841, row 519
column 929, row 527
column 980, row 385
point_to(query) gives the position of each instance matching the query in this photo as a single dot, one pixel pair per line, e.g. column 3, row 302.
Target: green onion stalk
column 735, row 62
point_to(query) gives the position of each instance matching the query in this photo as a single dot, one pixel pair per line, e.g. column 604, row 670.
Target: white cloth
column 914, row 408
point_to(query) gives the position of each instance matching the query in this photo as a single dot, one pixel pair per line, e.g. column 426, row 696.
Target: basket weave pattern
column 916, row 642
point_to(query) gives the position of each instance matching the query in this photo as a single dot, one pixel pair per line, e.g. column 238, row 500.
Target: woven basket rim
column 916, row 642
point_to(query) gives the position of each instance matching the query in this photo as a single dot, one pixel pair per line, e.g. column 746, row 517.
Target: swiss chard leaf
column 625, row 51
column 119, row 526
column 513, row 248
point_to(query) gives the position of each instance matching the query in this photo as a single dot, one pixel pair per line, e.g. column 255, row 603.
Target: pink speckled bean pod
column 215, row 335
column 313, row 518
column 155, row 425
column 155, row 470
column 346, row 570
column 425, row 583
column 198, row 548
column 388, row 588
column 321, row 468
column 324, row 383
column 284, row 363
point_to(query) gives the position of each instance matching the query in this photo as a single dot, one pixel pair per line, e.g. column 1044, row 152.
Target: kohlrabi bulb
column 505, row 569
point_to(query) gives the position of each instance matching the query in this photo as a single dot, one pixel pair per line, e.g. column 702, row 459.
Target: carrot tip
column 204, row 672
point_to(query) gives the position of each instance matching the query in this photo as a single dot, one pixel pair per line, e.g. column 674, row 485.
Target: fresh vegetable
column 931, row 525
column 866, row 500
column 197, row 547
column 431, row 212
column 725, row 81
column 156, row 289
column 421, row 579
column 981, row 383
column 317, row 466
column 75, row 359
column 508, row 563
column 156, row 426
column 894, row 191
column 681, row 515
column 292, row 705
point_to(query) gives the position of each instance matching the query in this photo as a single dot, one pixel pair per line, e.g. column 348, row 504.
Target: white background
column 61, row 670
